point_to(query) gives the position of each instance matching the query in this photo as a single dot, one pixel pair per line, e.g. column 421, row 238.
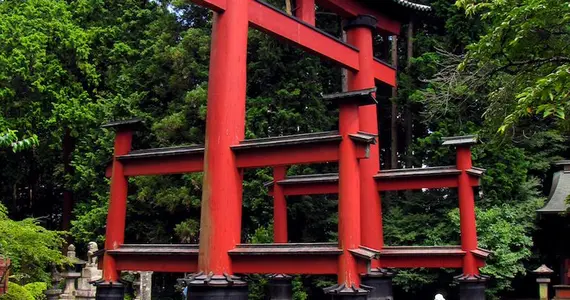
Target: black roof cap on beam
column 362, row 97
column 121, row 124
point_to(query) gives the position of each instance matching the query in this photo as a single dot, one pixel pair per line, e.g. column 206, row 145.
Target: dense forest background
column 499, row 69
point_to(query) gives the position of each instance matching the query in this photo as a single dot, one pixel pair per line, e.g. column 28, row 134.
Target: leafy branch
column 11, row 140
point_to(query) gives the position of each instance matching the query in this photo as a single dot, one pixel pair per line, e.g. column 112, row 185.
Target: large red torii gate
column 360, row 251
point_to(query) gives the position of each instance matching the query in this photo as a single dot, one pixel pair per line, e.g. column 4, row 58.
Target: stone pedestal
column 89, row 274
column 110, row 291
column 471, row 287
column 85, row 289
column 215, row 287
column 562, row 292
column 53, row 293
column 379, row 282
column 280, row 287
column 69, row 289
column 341, row 292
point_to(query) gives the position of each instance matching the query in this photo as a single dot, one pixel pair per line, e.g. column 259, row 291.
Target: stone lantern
column 543, row 278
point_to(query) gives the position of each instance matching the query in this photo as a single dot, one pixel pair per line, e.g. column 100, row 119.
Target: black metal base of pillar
column 215, row 287
column 471, row 287
column 341, row 292
column 380, row 283
column 280, row 287
column 110, row 291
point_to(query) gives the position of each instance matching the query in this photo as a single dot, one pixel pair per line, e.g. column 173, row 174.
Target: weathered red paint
column 370, row 206
column 467, row 211
column 350, row 9
column 305, row 11
column 220, row 225
column 348, row 196
column 117, row 213
column 279, row 207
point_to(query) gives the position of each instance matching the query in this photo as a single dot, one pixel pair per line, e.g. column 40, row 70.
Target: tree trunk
column 408, row 110
column 394, row 110
column 68, row 146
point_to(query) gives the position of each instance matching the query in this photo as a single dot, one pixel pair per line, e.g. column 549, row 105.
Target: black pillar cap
column 361, row 21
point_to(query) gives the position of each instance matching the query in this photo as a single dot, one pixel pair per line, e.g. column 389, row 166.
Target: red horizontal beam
column 164, row 165
column 393, row 184
column 410, row 183
column 250, row 158
column 304, row 189
column 384, row 73
column 290, row 264
column 293, row 154
column 349, row 9
column 307, row 37
column 157, row 263
column 421, row 262
column 280, row 25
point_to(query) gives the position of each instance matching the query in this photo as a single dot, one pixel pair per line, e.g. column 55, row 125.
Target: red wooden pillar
column 467, row 210
column 305, row 11
column 349, row 196
column 279, row 206
column 117, row 213
column 371, row 210
column 220, row 224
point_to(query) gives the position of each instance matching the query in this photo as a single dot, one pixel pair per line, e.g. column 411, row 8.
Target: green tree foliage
column 36, row 289
column 17, row 292
column 30, row 247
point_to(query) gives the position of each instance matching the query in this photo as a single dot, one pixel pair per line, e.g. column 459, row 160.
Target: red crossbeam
column 403, row 184
column 291, row 264
column 250, row 158
column 427, row 257
column 167, row 264
column 317, row 186
column 306, row 36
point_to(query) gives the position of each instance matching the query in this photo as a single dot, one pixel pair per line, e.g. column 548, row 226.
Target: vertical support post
column 467, row 211
column 359, row 34
column 279, row 206
column 305, row 11
column 110, row 286
column 471, row 283
column 116, row 216
column 220, row 224
column 280, row 285
column 371, row 209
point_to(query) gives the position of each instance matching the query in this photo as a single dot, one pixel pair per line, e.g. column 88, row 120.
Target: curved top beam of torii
column 268, row 19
